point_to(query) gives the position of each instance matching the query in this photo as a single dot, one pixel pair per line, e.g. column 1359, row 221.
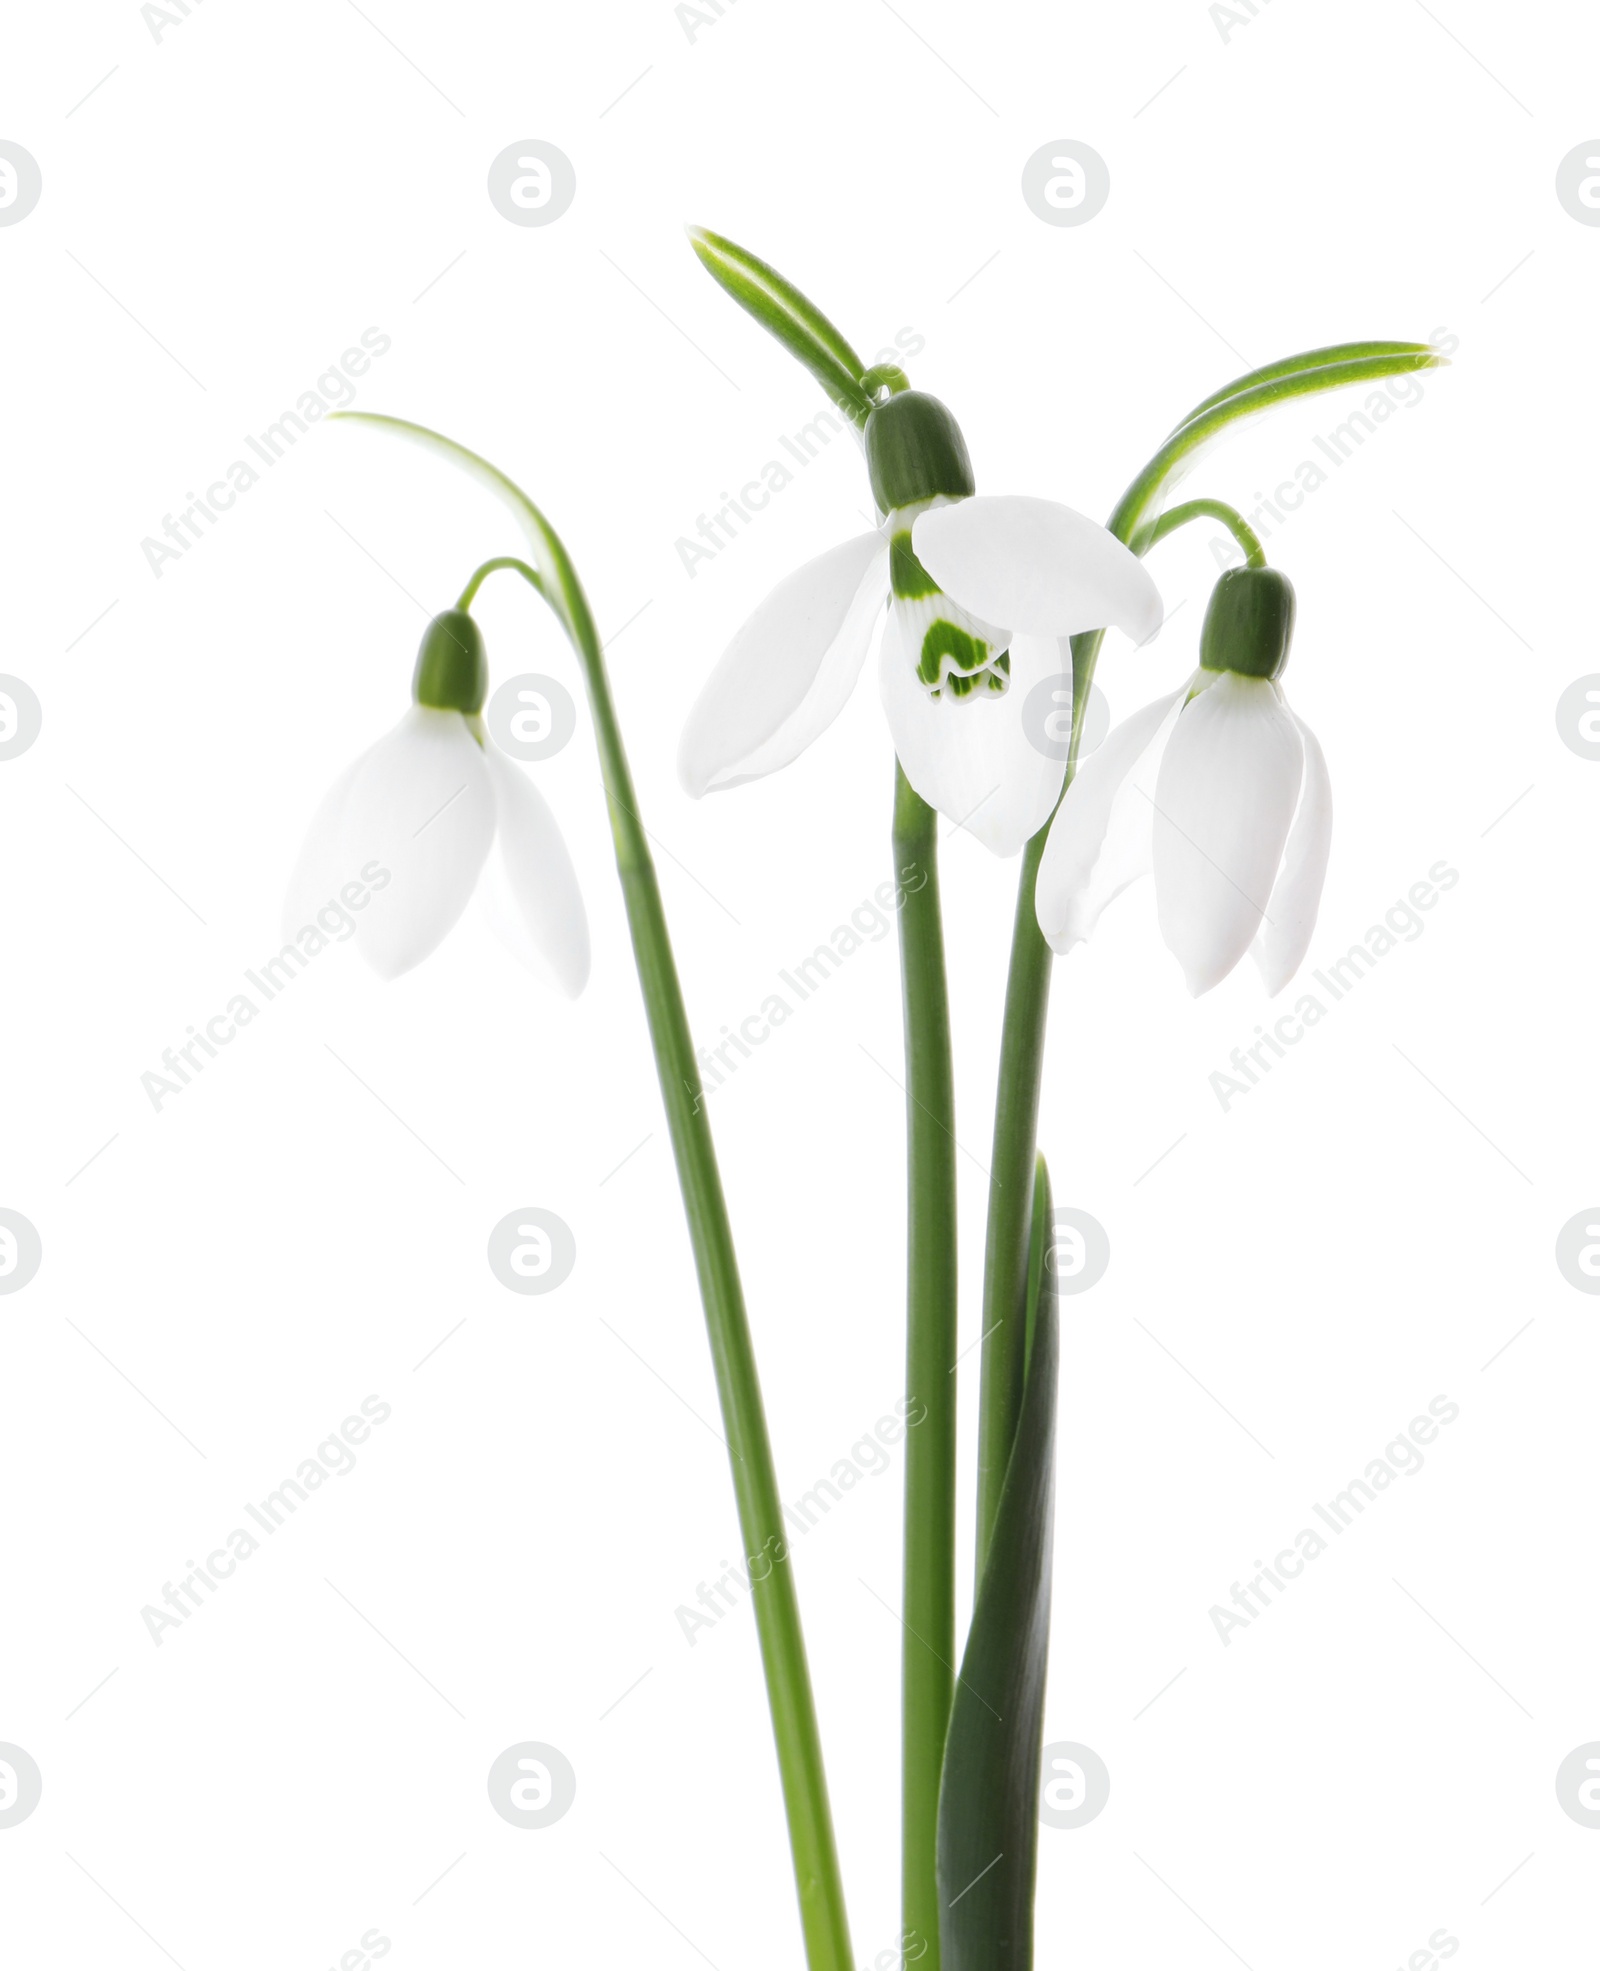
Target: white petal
column 1291, row 917
column 530, row 893
column 785, row 677
column 321, row 871
column 420, row 808
column 1101, row 836
column 1036, row 567
column 1225, row 796
column 971, row 757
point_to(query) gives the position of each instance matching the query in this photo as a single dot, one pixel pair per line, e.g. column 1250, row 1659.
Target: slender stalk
column 480, row 575
column 1179, row 516
column 1138, row 523
column 783, row 1654
column 929, row 1597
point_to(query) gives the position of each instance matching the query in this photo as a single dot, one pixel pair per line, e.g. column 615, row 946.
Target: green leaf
column 781, row 309
column 1310, row 359
column 1252, row 396
column 558, row 582
column 989, row 1794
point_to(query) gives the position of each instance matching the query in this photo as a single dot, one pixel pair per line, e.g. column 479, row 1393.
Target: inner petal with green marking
column 956, row 656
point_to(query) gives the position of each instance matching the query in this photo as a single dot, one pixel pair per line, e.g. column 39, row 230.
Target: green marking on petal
column 908, row 579
column 943, row 640
column 954, row 651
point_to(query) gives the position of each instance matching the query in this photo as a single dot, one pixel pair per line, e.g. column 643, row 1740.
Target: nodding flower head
column 1219, row 792
column 437, row 804
column 982, row 595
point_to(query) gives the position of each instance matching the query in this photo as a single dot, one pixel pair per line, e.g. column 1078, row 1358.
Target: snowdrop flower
column 1219, row 791
column 982, row 594
column 397, row 847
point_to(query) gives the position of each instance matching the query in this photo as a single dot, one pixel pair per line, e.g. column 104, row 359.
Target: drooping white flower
column 983, row 593
column 402, row 837
column 1219, row 791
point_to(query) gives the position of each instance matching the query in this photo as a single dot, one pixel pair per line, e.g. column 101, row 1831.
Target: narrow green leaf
column 989, row 1794
column 798, row 323
column 1140, row 506
column 1310, row 359
column 558, row 578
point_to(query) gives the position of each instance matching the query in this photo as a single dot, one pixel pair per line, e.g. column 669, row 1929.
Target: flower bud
column 452, row 673
column 915, row 452
column 1248, row 623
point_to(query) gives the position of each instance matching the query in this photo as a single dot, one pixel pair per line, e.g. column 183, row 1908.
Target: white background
column 1289, row 1285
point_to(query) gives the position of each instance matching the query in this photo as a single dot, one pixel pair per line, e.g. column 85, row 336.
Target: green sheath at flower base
column 452, row 673
column 1249, row 623
column 915, row 452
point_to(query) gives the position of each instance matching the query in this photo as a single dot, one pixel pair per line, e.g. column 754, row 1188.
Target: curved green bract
column 559, row 579
column 1252, row 396
column 755, row 1486
column 989, row 1794
column 1309, row 359
column 781, row 309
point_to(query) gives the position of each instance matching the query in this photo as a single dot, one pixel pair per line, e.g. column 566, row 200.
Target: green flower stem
column 794, row 1723
column 481, row 575
column 1138, row 523
column 1255, row 555
column 928, row 1602
column 1016, row 1124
